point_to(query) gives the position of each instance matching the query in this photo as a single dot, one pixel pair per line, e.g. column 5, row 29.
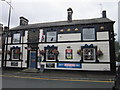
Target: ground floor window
column 15, row 53
column 89, row 53
column 51, row 53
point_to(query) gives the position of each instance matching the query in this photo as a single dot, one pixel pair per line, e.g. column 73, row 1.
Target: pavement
column 61, row 74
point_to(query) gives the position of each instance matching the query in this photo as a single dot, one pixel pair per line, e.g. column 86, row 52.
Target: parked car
column 117, row 80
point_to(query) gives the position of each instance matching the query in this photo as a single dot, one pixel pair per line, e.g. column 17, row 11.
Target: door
column 32, row 60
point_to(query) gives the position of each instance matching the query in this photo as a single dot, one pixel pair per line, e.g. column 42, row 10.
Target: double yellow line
column 105, row 81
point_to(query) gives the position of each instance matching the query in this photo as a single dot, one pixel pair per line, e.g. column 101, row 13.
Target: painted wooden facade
column 70, row 45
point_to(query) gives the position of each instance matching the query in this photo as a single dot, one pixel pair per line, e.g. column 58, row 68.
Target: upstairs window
column 33, row 36
column 16, row 38
column 51, row 36
column 88, row 33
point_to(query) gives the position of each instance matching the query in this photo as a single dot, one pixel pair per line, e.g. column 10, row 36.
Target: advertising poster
column 69, row 65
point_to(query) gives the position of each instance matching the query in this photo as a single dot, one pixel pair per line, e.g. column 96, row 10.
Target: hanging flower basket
column 42, row 52
column 55, row 52
column 99, row 53
column 79, row 52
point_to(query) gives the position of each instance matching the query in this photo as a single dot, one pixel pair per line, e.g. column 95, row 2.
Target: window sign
column 16, row 38
column 69, row 53
column 41, row 36
column 89, row 34
column 51, row 36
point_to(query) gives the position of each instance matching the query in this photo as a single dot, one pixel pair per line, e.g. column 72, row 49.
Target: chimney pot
column 6, row 28
column 70, row 11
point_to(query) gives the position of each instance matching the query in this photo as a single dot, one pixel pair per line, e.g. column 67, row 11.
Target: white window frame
column 16, row 36
column 55, row 36
column 84, row 34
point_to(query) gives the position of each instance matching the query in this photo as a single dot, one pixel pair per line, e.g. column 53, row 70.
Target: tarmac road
column 57, row 79
column 27, row 82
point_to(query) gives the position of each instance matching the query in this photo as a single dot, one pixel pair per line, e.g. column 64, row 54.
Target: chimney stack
column 104, row 14
column 23, row 21
column 70, row 11
column 1, row 27
column 6, row 28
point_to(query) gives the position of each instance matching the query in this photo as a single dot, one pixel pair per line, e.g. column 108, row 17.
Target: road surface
column 29, row 82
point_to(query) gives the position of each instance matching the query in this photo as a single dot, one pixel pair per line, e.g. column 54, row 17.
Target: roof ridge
column 62, row 23
column 66, row 21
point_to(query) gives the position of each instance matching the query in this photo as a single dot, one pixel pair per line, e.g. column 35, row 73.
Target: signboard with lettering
column 14, row 63
column 69, row 65
column 50, row 65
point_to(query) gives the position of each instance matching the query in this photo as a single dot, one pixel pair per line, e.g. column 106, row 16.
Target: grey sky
column 56, row 10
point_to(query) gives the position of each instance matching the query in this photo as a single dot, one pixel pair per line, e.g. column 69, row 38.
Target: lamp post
column 9, row 3
column 6, row 36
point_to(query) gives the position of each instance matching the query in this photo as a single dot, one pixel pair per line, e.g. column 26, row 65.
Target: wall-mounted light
column 102, row 28
column 76, row 29
column 61, row 30
column 68, row 29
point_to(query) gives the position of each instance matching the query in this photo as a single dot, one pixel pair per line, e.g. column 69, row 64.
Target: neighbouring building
column 1, row 30
column 86, row 44
column 119, row 22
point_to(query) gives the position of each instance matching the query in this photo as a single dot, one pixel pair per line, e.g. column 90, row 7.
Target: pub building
column 86, row 45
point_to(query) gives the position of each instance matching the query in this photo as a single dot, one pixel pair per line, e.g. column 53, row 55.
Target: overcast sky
column 38, row 11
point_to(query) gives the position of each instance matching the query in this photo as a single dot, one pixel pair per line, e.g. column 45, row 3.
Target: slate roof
column 63, row 23
column 1, row 25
